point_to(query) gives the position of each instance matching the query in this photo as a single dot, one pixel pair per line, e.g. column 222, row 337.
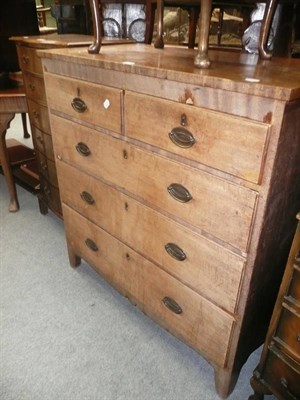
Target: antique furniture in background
column 12, row 101
column 31, row 66
column 191, row 216
column 278, row 371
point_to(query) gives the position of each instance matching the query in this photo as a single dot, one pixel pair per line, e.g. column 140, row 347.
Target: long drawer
column 183, row 312
column 206, row 267
column 214, row 205
column 231, row 144
column 95, row 104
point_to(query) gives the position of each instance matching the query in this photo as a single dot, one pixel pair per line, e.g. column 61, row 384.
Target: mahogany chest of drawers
column 31, row 65
column 279, row 369
column 180, row 186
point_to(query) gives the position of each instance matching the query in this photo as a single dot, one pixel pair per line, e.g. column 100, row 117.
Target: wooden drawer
column 200, row 324
column 294, row 289
column 208, row 268
column 35, row 88
column 288, row 331
column 231, row 144
column 39, row 116
column 282, row 375
column 48, row 169
column 51, row 194
column 28, row 60
column 43, row 143
column 151, row 178
column 95, row 104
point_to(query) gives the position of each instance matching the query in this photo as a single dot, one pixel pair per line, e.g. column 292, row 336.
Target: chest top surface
column 278, row 78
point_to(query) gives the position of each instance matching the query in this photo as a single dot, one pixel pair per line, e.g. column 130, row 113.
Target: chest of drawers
column 180, row 186
column 279, row 369
column 31, row 65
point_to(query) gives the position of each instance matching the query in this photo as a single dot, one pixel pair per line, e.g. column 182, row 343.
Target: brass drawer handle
column 182, row 137
column 79, row 105
column 179, row 192
column 83, row 149
column 91, row 245
column 172, row 305
column 87, row 197
column 285, row 385
column 25, row 59
column 175, row 251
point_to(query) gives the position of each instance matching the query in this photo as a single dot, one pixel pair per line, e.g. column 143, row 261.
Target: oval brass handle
column 87, row 197
column 182, row 137
column 83, row 149
column 91, row 245
column 79, row 105
column 172, row 305
column 175, row 251
column 179, row 192
column 285, row 385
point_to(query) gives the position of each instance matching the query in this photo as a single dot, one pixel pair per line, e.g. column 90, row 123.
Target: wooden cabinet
column 180, row 186
column 31, row 65
column 278, row 371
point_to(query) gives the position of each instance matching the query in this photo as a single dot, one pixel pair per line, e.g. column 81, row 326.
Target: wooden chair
column 193, row 7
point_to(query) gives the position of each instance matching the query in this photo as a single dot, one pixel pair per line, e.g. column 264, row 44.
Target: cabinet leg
column 225, row 381
column 258, row 387
column 74, row 259
column 42, row 206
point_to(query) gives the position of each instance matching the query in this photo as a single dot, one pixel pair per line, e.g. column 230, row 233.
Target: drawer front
column 231, row 144
column 51, row 195
column 281, row 377
column 48, row 169
column 35, row 88
column 38, row 115
column 294, row 289
column 200, row 324
column 43, row 142
column 95, row 104
column 155, row 179
column 28, row 60
column 288, row 331
column 206, row 267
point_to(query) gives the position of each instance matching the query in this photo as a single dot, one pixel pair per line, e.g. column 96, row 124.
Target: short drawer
column 177, row 308
column 216, row 206
column 209, row 269
column 28, row 60
column 48, row 169
column 38, row 115
column 288, row 331
column 282, row 375
column 35, row 88
column 95, row 104
column 43, row 142
column 231, row 144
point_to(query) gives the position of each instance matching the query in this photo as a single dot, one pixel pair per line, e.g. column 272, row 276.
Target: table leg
column 5, row 120
column 201, row 59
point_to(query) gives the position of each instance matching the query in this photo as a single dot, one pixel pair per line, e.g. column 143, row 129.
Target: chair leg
column 265, row 29
column 159, row 42
column 150, row 15
column 24, row 123
column 5, row 120
column 201, row 59
column 193, row 21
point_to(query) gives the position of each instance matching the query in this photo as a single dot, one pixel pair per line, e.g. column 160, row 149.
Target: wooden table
column 12, row 101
